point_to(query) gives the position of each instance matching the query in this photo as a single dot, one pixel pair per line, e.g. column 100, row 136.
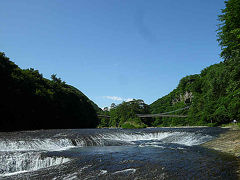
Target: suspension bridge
column 165, row 114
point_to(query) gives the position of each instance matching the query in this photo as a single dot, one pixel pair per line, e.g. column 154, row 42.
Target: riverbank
column 228, row 142
column 179, row 127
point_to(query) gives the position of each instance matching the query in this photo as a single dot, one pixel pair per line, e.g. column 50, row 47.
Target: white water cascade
column 29, row 154
column 34, row 144
column 17, row 162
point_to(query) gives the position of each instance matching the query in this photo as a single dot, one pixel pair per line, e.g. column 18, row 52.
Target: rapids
column 112, row 153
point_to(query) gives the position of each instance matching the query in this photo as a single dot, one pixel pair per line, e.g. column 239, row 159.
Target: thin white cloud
column 116, row 98
column 128, row 99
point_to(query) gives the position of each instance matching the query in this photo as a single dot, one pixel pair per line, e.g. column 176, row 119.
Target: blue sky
column 112, row 50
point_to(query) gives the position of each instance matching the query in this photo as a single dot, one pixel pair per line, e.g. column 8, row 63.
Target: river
column 152, row 153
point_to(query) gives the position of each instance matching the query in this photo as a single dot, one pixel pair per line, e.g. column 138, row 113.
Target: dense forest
column 125, row 115
column 29, row 101
column 213, row 96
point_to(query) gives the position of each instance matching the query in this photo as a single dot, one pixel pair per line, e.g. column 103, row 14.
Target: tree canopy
column 229, row 29
column 125, row 115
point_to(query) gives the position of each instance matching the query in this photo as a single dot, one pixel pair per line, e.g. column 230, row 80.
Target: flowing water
column 152, row 153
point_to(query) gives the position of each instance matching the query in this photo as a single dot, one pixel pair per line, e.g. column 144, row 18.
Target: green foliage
column 29, row 101
column 128, row 126
column 180, row 97
column 134, row 122
column 104, row 121
column 125, row 115
column 229, row 29
column 55, row 79
column 133, row 125
column 215, row 97
column 212, row 124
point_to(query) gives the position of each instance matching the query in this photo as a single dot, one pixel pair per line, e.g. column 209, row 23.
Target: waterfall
column 34, row 144
column 13, row 162
column 29, row 154
column 107, row 139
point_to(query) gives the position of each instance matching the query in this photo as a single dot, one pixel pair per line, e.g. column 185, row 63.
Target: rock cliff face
column 186, row 98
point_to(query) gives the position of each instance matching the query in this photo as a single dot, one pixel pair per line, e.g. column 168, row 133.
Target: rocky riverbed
column 228, row 142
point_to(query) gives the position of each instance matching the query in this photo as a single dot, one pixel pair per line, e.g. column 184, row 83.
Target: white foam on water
column 35, row 144
column 187, row 139
column 18, row 156
column 183, row 138
column 14, row 173
column 18, row 162
column 128, row 171
column 136, row 137
column 102, row 172
column 48, row 144
column 152, row 145
column 70, row 176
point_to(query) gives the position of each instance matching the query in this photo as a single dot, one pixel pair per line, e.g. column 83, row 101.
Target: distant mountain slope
column 95, row 106
column 213, row 96
column 29, row 101
column 179, row 98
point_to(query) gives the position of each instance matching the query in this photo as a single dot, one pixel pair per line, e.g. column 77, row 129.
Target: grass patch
column 231, row 125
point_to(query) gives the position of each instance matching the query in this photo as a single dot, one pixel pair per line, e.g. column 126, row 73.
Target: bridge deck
column 166, row 114
column 149, row 115
column 99, row 115
column 158, row 115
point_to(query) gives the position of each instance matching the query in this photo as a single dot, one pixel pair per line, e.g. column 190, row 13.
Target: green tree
column 229, row 29
column 56, row 79
column 113, row 105
column 125, row 114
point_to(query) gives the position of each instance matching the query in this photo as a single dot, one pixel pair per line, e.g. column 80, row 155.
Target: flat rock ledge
column 228, row 142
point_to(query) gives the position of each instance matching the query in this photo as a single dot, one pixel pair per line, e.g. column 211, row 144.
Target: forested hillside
column 213, row 96
column 29, row 101
column 125, row 115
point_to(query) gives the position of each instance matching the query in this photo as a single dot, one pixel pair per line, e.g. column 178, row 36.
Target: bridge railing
column 166, row 114
column 159, row 115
